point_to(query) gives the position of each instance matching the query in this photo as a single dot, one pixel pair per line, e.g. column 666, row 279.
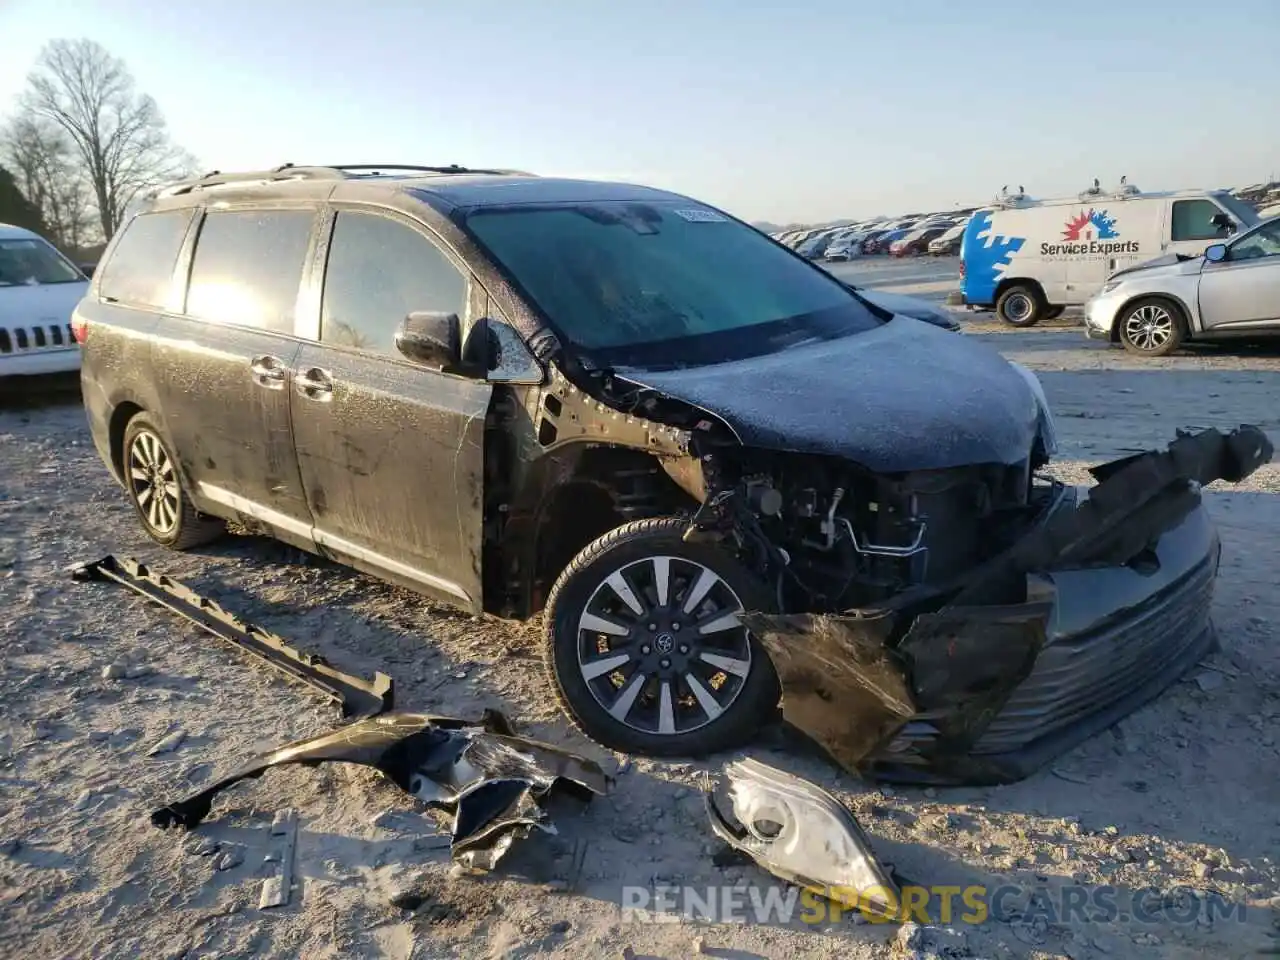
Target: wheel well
column 1032, row 285
column 120, row 418
column 1180, row 312
column 609, row 487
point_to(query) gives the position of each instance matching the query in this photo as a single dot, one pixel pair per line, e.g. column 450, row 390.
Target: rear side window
column 141, row 266
column 379, row 271
column 247, row 267
column 1191, row 221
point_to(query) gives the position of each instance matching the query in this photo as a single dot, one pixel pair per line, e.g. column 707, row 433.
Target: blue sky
column 815, row 110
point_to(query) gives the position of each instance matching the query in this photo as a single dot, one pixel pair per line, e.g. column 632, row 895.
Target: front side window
column 247, row 267
column 1263, row 242
column 1193, row 220
column 30, row 261
column 664, row 283
column 140, row 270
column 379, row 271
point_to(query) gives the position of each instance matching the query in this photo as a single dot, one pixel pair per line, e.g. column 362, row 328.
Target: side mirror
column 1216, row 253
column 431, row 339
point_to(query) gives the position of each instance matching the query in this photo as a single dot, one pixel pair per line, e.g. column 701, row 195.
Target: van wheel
column 1020, row 306
column 1054, row 312
column 644, row 649
column 1152, row 327
column 155, row 490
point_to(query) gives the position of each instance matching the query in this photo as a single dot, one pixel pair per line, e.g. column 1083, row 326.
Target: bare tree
column 47, row 170
column 118, row 133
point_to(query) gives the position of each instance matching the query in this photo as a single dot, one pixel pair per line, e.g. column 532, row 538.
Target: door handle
column 314, row 384
column 268, row 371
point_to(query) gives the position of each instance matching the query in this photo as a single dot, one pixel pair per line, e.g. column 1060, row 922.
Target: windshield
column 28, row 261
column 664, row 284
column 1245, row 213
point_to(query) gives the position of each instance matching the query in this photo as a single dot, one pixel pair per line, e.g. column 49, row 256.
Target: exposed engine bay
column 834, row 536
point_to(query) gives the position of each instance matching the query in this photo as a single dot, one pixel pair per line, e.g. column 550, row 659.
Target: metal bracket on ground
column 276, row 890
column 357, row 697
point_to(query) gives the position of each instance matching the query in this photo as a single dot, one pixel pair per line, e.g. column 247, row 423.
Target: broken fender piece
column 491, row 780
column 800, row 833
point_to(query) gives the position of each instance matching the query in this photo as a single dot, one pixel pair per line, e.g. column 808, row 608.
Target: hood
column 40, row 305
column 905, row 396
column 1172, row 263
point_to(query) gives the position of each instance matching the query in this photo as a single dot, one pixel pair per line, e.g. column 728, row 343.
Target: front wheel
column 1152, row 328
column 644, row 647
column 1020, row 306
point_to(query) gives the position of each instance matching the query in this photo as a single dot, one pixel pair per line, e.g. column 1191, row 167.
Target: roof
column 472, row 192
column 451, row 187
column 9, row 232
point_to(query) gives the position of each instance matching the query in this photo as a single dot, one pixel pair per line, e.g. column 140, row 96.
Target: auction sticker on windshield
column 701, row 216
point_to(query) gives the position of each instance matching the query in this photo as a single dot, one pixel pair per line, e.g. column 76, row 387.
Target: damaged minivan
column 726, row 479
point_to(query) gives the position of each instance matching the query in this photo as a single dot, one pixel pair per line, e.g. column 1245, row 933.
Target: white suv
column 39, row 289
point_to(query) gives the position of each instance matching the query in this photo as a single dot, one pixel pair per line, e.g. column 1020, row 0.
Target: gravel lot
column 1182, row 796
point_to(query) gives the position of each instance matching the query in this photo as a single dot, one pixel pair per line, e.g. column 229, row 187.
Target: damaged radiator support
column 356, row 697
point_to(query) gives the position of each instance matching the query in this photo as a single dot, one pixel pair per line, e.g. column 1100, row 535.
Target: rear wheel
column 644, row 647
column 1054, row 312
column 155, row 490
column 1152, row 328
column 1020, row 306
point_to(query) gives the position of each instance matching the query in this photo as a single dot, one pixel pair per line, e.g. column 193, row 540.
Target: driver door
column 391, row 452
column 1244, row 289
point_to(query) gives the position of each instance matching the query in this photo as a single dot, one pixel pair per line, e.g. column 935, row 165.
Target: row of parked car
column 937, row 235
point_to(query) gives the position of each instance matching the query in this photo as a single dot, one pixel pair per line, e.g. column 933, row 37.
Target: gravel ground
column 1176, row 806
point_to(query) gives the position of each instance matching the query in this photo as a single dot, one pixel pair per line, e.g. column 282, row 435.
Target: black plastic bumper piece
column 356, row 697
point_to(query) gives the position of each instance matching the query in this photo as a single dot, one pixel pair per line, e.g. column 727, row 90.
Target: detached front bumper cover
column 946, row 658
column 493, row 781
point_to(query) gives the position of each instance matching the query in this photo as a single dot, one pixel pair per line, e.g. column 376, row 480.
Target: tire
column 658, row 686
column 1053, row 313
column 1152, row 327
column 1020, row 305
column 168, row 517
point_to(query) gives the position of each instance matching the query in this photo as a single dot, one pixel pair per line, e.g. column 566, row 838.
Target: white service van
column 1030, row 259
column 39, row 289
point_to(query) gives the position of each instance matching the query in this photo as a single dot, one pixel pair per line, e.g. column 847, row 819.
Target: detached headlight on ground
column 799, row 832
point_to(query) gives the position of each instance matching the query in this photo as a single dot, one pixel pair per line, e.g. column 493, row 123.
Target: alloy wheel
column 154, row 483
column 661, row 647
column 1149, row 327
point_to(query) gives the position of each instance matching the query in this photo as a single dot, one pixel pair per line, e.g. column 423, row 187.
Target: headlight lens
column 1109, row 286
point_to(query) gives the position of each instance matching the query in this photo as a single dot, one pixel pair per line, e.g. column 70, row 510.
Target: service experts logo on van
column 1090, row 232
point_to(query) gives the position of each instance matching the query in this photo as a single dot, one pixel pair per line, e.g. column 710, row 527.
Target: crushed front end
column 966, row 626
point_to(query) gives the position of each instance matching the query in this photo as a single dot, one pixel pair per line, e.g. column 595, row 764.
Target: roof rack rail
column 333, row 171
column 286, row 171
column 374, row 169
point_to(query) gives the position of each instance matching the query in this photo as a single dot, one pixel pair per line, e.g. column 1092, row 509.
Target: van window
column 140, row 270
column 248, row 266
column 1191, row 221
column 379, row 271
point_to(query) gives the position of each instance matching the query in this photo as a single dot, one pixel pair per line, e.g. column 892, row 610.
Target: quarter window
column 379, row 271
column 140, row 270
column 248, row 266
column 1192, row 220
